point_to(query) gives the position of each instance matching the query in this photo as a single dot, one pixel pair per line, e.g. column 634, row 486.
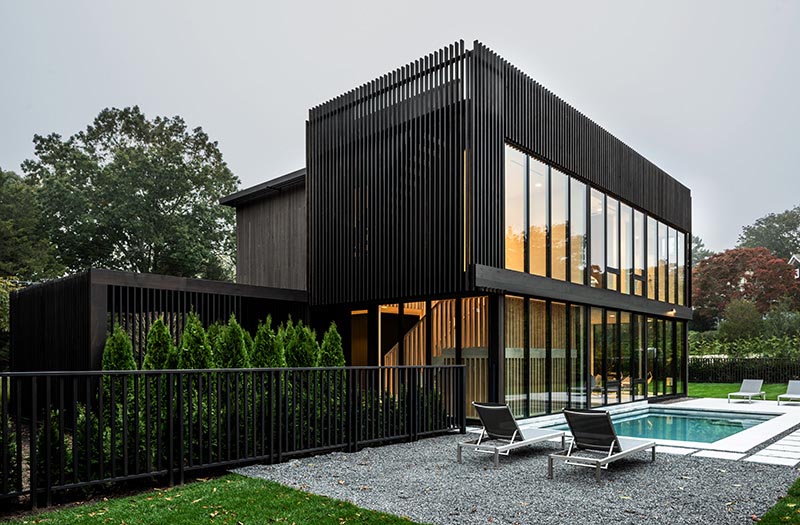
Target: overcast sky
column 708, row 91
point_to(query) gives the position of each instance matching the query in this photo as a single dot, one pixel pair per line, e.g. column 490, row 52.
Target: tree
column 754, row 274
column 267, row 348
column 118, row 351
column 134, row 194
column 777, row 232
column 195, row 352
column 782, row 320
column 300, row 345
column 741, row 320
column 159, row 347
column 331, row 352
column 25, row 251
column 699, row 250
column 232, row 346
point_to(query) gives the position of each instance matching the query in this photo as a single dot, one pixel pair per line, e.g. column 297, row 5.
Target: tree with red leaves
column 753, row 274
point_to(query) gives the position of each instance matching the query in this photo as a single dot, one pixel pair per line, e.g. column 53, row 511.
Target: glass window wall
column 662, row 261
column 639, row 254
column 537, row 230
column 681, row 268
column 576, row 362
column 559, row 205
column 515, row 355
column 537, row 360
column 597, row 239
column 515, row 209
column 577, row 231
column 612, row 243
column 558, row 355
column 625, row 248
column 672, row 241
column 475, row 349
column 652, row 258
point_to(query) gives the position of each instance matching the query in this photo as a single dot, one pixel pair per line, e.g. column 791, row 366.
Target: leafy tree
column 267, row 347
column 24, row 248
column 135, row 194
column 699, row 250
column 159, row 348
column 300, row 345
column 741, row 320
column 754, row 274
column 782, row 320
column 232, row 346
column 331, row 351
column 118, row 351
column 777, row 232
column 195, row 352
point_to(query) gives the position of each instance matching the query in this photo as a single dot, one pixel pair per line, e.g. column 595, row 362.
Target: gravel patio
column 423, row 481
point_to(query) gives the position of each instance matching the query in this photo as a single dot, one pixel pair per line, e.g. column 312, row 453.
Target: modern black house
column 454, row 211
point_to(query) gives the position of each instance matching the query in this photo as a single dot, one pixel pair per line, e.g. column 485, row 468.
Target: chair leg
column 459, row 453
column 597, row 473
column 654, row 453
column 562, row 442
column 549, row 467
column 496, row 458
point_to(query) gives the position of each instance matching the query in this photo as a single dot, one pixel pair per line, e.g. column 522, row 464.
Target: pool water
column 683, row 425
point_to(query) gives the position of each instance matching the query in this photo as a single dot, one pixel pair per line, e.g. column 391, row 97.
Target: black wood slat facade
column 405, row 174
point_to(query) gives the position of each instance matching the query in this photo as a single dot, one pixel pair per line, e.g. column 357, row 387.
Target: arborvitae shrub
column 301, row 347
column 194, row 352
column 233, row 349
column 118, row 352
column 331, row 352
column 214, row 333
column 267, row 347
column 159, row 347
column 248, row 344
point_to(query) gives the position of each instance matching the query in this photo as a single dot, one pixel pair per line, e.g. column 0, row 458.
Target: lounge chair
column 749, row 388
column 501, row 434
column 792, row 392
column 594, row 434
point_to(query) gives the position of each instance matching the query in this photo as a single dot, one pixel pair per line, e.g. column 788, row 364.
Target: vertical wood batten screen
column 385, row 185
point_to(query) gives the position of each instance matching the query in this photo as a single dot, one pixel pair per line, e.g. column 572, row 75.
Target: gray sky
column 706, row 90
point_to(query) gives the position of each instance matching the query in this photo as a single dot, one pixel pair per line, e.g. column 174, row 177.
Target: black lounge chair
column 501, row 434
column 593, row 433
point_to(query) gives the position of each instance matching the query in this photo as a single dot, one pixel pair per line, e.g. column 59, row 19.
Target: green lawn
column 231, row 499
column 786, row 510
column 723, row 389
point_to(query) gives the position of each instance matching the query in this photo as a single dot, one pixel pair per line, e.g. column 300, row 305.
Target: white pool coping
column 787, row 417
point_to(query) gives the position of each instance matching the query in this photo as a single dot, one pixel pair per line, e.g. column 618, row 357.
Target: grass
column 723, row 389
column 786, row 510
column 231, row 499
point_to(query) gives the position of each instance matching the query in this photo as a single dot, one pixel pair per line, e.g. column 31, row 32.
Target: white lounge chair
column 792, row 392
column 501, row 434
column 750, row 388
column 593, row 433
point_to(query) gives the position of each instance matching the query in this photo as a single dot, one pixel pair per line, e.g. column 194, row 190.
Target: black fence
column 734, row 370
column 103, row 427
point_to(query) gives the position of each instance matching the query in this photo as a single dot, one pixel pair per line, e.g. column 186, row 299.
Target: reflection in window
column 662, row 261
column 626, row 248
column 538, row 217
column 626, row 373
column 558, row 355
column 613, row 365
column 475, row 349
column 515, row 209
column 578, row 392
column 681, row 268
column 597, row 239
column 639, row 355
column 515, row 354
column 558, row 229
column 577, row 231
column 596, row 371
column 639, row 255
column 672, row 241
column 652, row 257
column 612, row 242
column 538, row 358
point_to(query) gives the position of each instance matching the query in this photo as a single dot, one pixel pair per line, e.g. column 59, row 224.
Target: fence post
column 34, row 465
column 171, row 434
column 413, row 402
column 462, row 400
column 181, row 451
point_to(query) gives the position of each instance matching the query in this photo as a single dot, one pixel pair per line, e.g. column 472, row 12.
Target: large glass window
column 652, row 258
column 681, row 268
column 653, row 357
column 538, row 358
column 596, row 345
column 515, row 354
column 558, row 355
column 672, row 240
column 475, row 348
column 559, row 203
column 625, row 247
column 515, row 209
column 663, row 251
column 639, row 254
column 626, row 374
column 638, row 358
column 577, row 338
column 577, row 231
column 598, row 239
column 612, row 243
column 680, row 341
column 537, row 231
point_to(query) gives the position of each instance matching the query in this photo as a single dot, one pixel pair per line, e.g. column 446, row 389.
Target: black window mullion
column 548, row 353
column 549, row 224
column 526, row 365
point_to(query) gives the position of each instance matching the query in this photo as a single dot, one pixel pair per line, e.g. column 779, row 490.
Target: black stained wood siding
column 272, row 240
column 62, row 325
column 386, row 183
column 405, row 174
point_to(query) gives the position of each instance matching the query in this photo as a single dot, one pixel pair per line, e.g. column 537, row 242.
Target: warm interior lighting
column 672, row 312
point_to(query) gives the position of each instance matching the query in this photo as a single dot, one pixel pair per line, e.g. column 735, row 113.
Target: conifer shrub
column 232, row 346
column 331, row 350
column 159, row 347
column 267, row 347
column 195, row 351
column 300, row 345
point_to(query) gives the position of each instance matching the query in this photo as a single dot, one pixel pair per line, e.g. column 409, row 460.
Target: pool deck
column 786, row 451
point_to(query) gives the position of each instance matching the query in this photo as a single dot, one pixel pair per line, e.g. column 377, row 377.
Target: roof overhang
column 265, row 189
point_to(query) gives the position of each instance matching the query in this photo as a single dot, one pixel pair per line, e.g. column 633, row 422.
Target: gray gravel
column 423, row 482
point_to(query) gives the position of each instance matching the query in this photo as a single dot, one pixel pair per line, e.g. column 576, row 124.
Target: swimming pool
column 674, row 424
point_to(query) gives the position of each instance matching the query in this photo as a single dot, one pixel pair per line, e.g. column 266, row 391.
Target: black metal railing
column 64, row 431
column 735, row 369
